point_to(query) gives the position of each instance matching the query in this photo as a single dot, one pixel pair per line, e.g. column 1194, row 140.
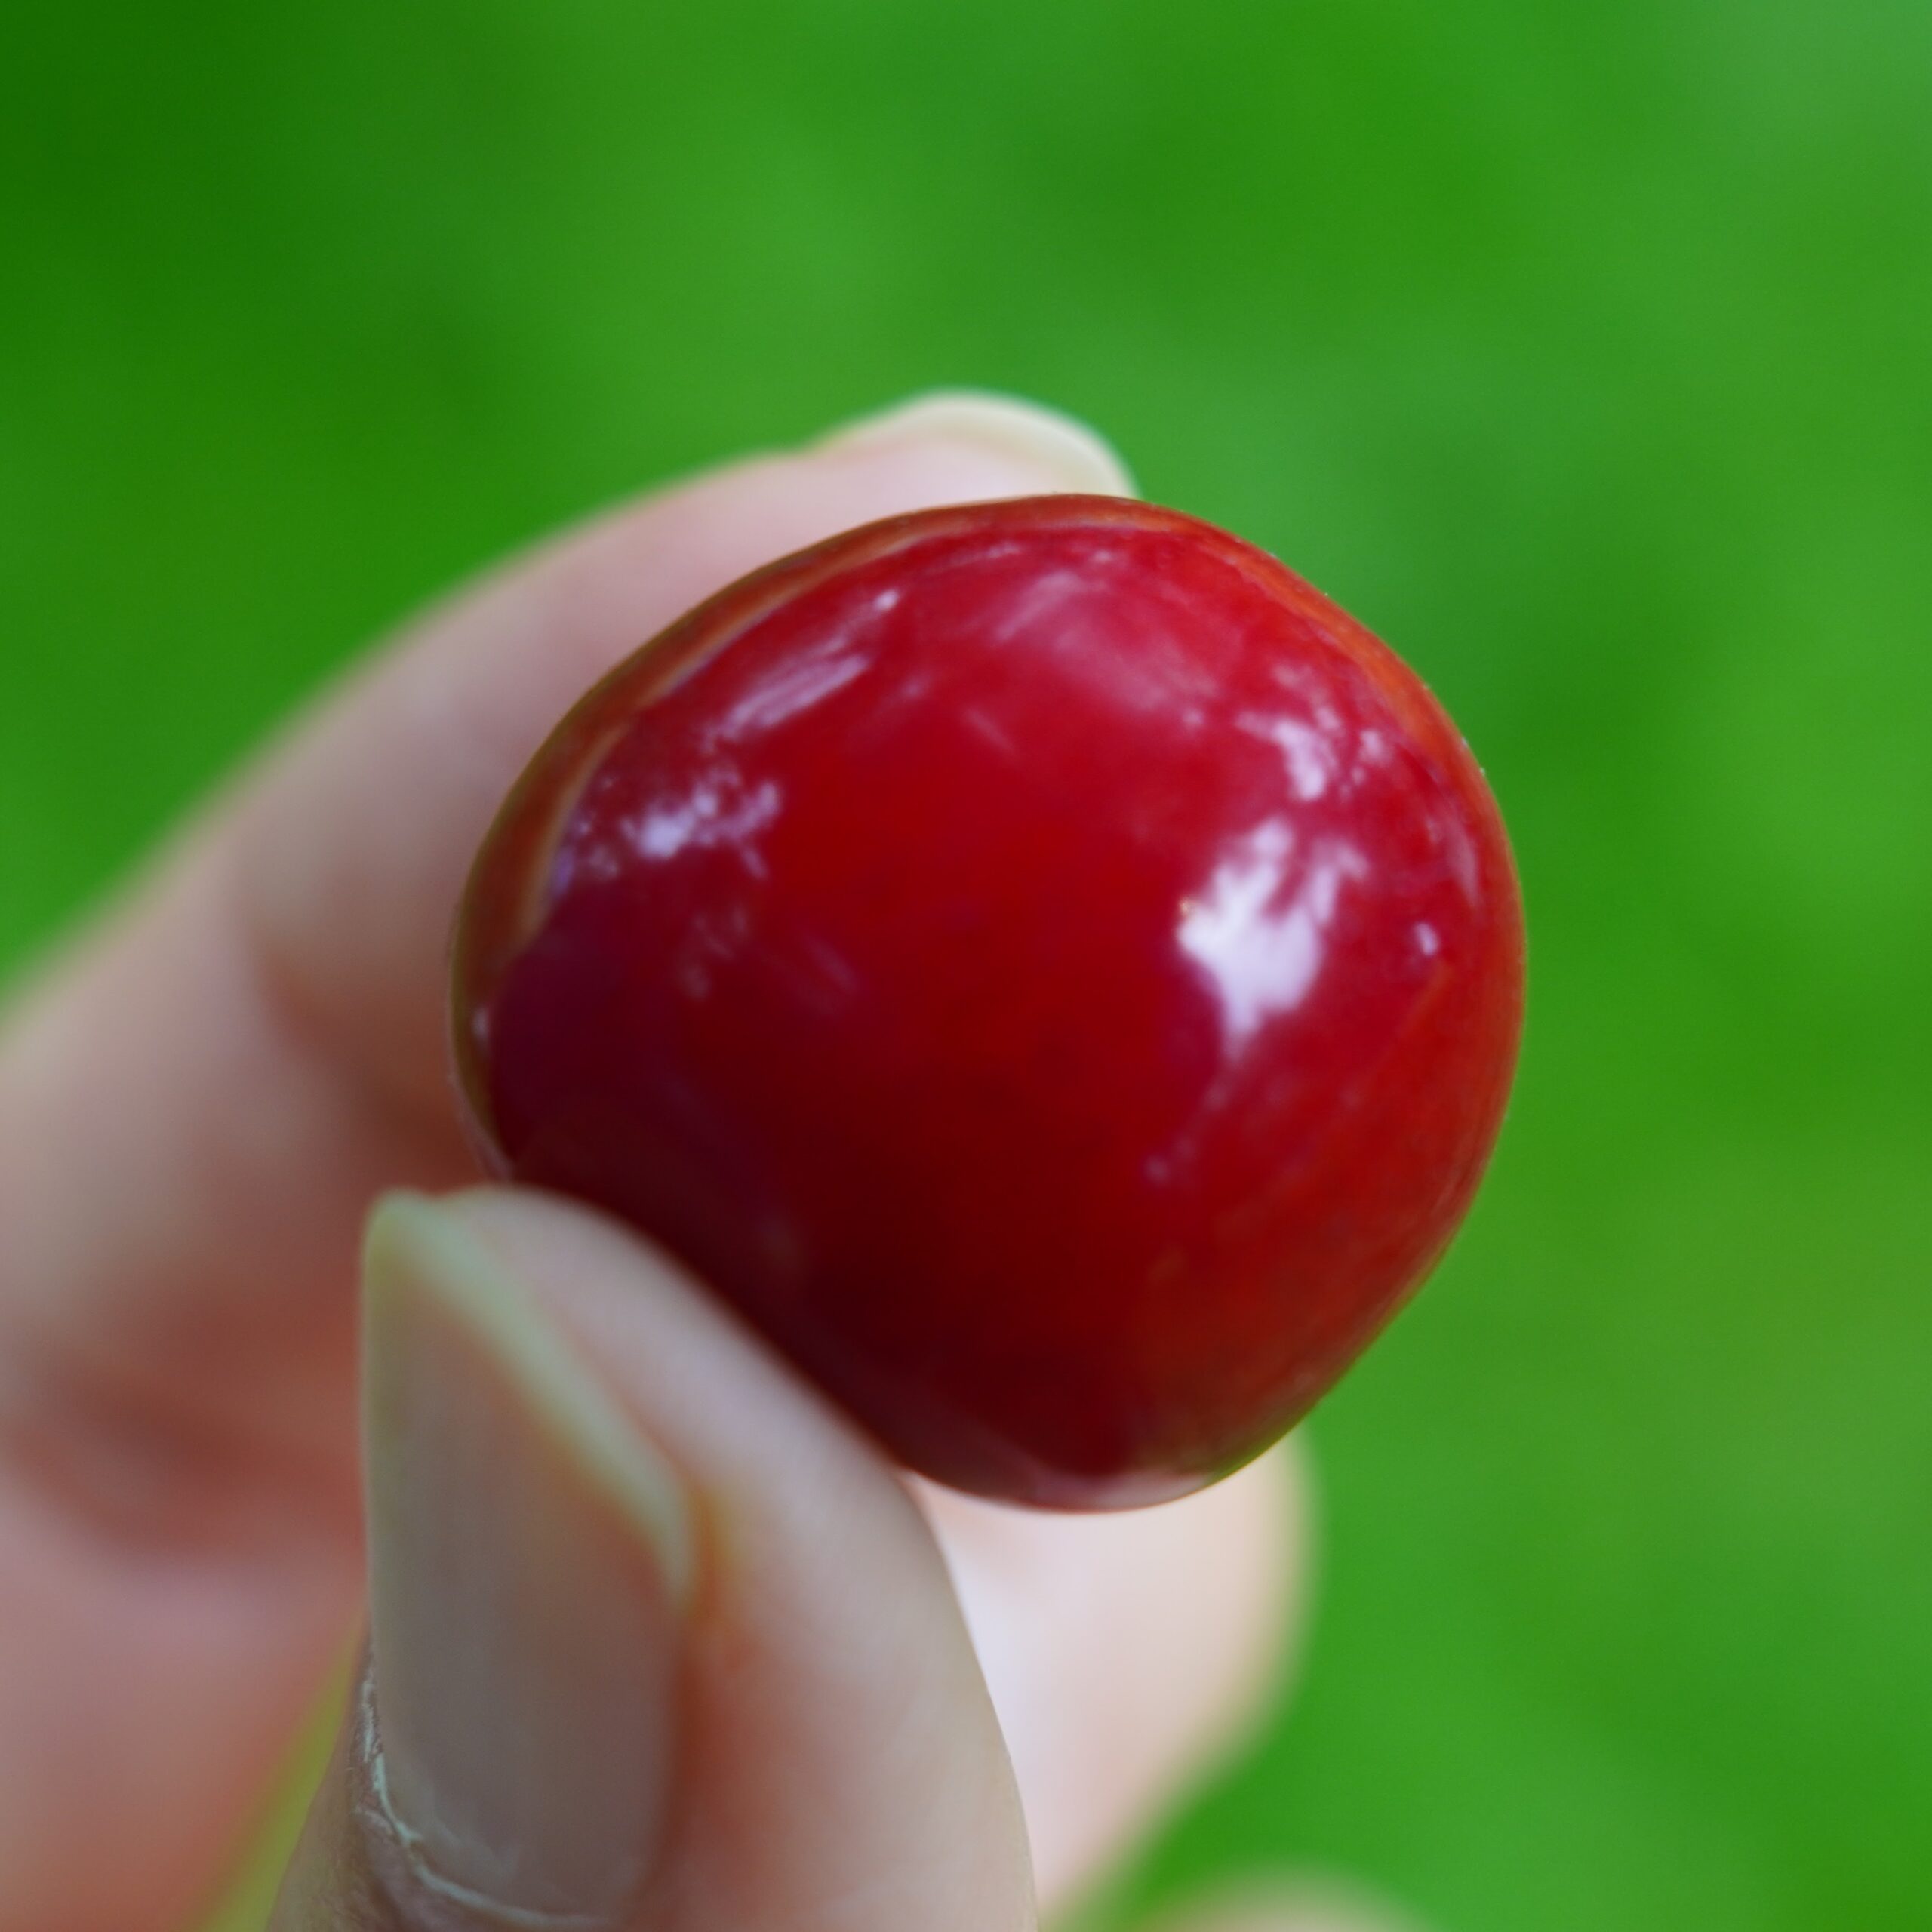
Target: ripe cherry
column 1050, row 969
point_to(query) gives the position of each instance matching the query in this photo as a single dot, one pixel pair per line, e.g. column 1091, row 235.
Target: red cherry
column 1050, row 969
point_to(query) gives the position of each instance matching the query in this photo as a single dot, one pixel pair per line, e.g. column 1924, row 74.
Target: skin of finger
column 245, row 1050
column 1126, row 1652
column 839, row 1763
column 331, row 1885
column 349, row 870
column 257, row 1040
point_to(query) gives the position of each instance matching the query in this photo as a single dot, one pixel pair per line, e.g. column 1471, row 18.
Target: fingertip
column 1052, row 450
column 837, row 1727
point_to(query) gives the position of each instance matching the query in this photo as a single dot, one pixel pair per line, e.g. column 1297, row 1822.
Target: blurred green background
column 1586, row 352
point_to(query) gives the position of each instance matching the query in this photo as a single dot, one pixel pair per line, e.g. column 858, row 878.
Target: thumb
column 656, row 1641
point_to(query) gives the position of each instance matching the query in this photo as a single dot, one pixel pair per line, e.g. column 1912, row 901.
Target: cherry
column 1050, row 969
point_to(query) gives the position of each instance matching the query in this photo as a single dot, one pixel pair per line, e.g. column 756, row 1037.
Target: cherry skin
column 1054, row 972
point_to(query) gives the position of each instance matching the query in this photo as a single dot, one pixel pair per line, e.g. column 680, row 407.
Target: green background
column 1584, row 350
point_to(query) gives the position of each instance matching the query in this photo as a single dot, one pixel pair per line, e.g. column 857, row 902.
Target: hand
column 658, row 1639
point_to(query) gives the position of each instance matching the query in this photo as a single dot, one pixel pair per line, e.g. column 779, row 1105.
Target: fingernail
column 1063, row 449
column 531, row 1558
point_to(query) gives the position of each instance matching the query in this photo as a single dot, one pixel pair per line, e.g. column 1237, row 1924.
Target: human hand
column 658, row 1639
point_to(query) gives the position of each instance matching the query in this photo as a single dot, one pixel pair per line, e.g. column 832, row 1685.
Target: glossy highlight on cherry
column 1043, row 963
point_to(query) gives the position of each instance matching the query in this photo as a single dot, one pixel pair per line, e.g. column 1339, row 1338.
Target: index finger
column 199, row 1106
column 199, row 1100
